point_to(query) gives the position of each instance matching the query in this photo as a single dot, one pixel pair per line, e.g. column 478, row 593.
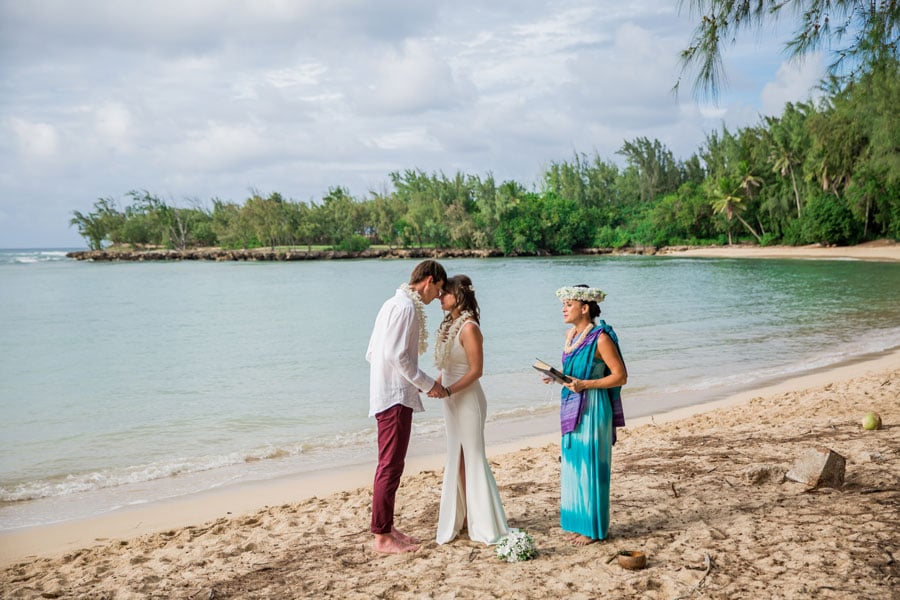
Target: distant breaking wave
column 30, row 256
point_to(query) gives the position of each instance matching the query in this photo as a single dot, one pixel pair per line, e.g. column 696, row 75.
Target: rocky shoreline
column 879, row 250
column 267, row 254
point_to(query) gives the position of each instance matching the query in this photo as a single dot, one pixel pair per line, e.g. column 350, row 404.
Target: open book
column 549, row 371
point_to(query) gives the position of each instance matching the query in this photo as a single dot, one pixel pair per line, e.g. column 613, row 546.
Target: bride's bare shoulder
column 470, row 328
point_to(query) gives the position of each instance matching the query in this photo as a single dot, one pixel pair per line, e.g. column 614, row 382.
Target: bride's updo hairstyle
column 593, row 307
column 462, row 289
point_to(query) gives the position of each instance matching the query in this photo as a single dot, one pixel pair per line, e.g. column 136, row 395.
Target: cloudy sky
column 200, row 99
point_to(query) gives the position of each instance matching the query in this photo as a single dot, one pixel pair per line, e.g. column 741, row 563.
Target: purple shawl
column 578, row 363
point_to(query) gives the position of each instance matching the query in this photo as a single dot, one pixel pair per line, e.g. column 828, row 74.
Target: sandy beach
column 880, row 250
column 701, row 491
column 704, row 496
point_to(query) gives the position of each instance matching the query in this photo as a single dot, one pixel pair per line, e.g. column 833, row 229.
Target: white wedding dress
column 475, row 502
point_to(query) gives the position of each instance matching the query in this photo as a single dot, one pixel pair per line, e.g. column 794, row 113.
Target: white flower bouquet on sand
column 516, row 546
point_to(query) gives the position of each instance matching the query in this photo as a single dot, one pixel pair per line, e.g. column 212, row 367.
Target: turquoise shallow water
column 130, row 382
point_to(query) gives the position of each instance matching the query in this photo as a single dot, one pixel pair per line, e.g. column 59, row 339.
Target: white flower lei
column 420, row 312
column 581, row 294
column 516, row 546
column 444, row 336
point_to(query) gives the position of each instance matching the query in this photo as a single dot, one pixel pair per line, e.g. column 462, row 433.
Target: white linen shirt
column 393, row 355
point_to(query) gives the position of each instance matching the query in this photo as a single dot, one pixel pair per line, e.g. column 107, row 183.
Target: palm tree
column 749, row 183
column 789, row 142
column 727, row 199
column 783, row 164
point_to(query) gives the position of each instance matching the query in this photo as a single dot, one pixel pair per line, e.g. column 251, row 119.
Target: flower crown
column 582, row 294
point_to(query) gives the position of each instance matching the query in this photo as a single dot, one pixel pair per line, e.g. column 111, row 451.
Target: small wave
column 27, row 257
column 521, row 412
column 344, row 442
column 270, row 454
column 110, row 478
column 873, row 343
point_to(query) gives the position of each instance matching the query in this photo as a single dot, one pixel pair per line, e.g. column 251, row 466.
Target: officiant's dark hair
column 428, row 268
column 462, row 289
column 593, row 307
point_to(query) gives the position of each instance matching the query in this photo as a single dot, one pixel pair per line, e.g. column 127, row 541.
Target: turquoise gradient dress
column 587, row 451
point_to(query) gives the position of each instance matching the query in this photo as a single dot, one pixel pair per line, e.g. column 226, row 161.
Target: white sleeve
column 402, row 348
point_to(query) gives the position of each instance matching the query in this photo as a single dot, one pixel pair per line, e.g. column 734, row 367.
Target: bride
column 469, row 497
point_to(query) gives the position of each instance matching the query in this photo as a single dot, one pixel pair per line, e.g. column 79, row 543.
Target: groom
column 395, row 380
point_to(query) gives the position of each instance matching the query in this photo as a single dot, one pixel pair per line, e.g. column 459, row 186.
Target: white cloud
column 35, row 140
column 307, row 74
column 410, row 80
column 414, row 139
column 113, row 123
column 794, row 81
column 218, row 146
column 629, row 82
column 212, row 98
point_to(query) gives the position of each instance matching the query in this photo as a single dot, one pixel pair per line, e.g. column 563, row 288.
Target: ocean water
column 125, row 383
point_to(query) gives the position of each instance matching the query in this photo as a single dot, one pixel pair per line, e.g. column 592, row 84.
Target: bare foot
column 407, row 539
column 581, row 540
column 388, row 544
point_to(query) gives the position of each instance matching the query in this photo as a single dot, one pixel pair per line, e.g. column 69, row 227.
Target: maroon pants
column 394, row 428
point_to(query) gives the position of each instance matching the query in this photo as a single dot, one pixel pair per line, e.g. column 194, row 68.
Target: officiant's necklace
column 572, row 341
column 444, row 337
column 420, row 313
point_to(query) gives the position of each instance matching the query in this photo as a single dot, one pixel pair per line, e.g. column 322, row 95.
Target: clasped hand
column 437, row 391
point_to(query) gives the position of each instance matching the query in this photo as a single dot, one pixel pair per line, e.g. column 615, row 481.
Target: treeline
column 826, row 172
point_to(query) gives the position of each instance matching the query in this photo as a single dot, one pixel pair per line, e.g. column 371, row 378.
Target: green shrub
column 355, row 243
column 827, row 220
column 607, row 237
column 768, row 239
